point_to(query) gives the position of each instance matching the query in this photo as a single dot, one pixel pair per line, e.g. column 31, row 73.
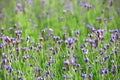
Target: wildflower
column 47, row 73
column 98, row 19
column 4, row 56
column 64, row 76
column 106, row 71
column 41, row 39
column 64, row 68
column 105, row 58
column 60, row 41
column 102, row 71
column 75, row 69
column 86, row 60
column 51, row 48
column 111, row 2
column 85, row 51
column 93, row 29
column 80, row 4
column 101, row 51
column 90, row 76
column 38, row 69
column 65, row 11
column 66, row 62
column 53, row 52
column 2, row 30
column 24, row 57
column 83, row 75
column 90, row 35
column 27, row 38
column 96, row 61
column 8, row 68
column 69, row 41
column 106, row 47
column 4, row 61
column 39, row 46
column 10, row 30
column 76, row 32
column 77, row 65
column 105, row 20
column 72, row 61
column 56, row 38
column 51, row 31
column 88, row 26
column 102, row 11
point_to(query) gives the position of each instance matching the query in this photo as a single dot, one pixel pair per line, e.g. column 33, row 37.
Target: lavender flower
column 64, row 68
column 102, row 71
column 66, row 62
column 38, row 69
column 64, row 76
column 69, row 41
column 53, row 52
column 102, row 11
column 77, row 65
column 4, row 61
column 84, row 75
column 72, row 61
column 76, row 32
column 47, row 73
column 88, row 26
column 86, row 60
column 98, row 19
column 10, row 30
column 101, row 51
column 27, row 38
column 85, row 51
column 111, row 2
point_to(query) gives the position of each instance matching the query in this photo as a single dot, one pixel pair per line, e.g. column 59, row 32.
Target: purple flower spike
column 102, row 71
column 88, row 26
column 86, row 60
column 4, row 61
column 83, row 75
column 90, row 75
column 102, row 11
column 4, row 56
column 77, row 65
column 53, row 52
column 64, row 68
column 64, row 76
column 27, row 38
column 38, row 69
column 111, row 2
column 47, row 73
column 76, row 32
column 69, row 41
column 101, row 51
column 98, row 19
column 72, row 61
column 66, row 62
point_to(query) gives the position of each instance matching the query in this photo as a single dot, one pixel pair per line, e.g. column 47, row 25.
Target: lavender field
column 59, row 39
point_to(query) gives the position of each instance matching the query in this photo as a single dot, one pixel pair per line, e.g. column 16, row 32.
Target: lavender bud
column 83, row 75
column 76, row 32
column 77, row 65
column 111, row 2
column 27, row 38
column 64, row 68
column 64, row 76
column 86, row 60
column 102, row 71
column 41, row 39
column 66, row 62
